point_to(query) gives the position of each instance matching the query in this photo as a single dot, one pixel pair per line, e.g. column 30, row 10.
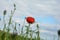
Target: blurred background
column 45, row 12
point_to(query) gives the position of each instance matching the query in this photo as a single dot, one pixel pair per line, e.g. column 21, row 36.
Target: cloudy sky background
column 46, row 13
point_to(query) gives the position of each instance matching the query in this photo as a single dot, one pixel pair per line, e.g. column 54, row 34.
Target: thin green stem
column 38, row 33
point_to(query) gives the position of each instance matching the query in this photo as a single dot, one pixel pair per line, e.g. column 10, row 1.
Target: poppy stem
column 27, row 31
column 31, row 33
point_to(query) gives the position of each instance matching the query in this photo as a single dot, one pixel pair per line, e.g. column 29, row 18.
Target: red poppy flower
column 30, row 20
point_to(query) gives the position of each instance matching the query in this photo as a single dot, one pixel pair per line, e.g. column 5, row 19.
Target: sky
column 45, row 12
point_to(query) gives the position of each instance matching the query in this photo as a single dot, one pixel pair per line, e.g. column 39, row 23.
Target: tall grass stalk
column 38, row 33
column 14, row 33
column 10, row 21
column 3, row 36
column 4, row 13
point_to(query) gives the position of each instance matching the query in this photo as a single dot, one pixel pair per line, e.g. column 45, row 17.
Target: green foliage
column 3, row 36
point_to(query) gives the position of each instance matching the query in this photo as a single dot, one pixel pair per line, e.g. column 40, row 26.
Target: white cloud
column 33, row 7
column 48, row 32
